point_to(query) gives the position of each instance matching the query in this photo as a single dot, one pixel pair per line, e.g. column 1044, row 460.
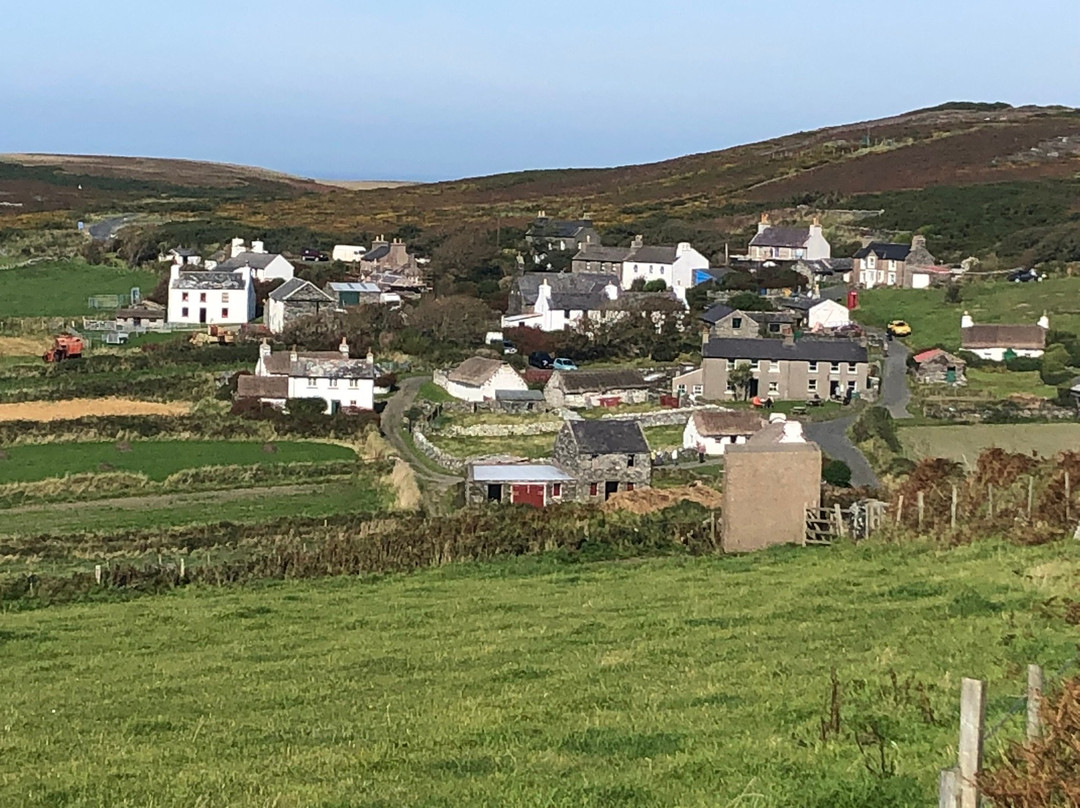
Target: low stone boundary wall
column 501, row 430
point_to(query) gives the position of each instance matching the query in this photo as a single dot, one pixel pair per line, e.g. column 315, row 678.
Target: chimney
column 918, row 242
column 638, row 242
column 258, row 247
column 763, row 225
column 815, row 227
column 293, row 356
column 264, row 349
column 236, row 247
column 343, row 348
column 398, row 257
column 792, row 433
column 174, row 273
column 966, row 321
column 1044, row 322
column 543, row 296
column 611, row 291
column 541, row 214
column 370, row 357
column 682, row 248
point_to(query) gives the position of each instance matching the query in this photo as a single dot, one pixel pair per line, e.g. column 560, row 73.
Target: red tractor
column 64, row 347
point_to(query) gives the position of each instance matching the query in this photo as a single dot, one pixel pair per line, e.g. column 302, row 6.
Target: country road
column 832, row 437
column 895, row 394
column 108, row 228
column 393, row 420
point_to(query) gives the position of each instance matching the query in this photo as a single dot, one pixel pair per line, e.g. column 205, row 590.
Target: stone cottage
column 710, row 432
column 605, row 457
column 478, row 379
column 592, row 388
column 939, row 367
column 294, row 300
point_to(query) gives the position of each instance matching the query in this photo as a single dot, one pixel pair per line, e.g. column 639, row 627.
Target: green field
column 966, row 443
column 690, row 682
column 933, row 321
column 156, row 459
column 61, row 289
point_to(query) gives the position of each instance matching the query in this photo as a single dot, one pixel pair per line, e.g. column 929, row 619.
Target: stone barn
column 605, row 457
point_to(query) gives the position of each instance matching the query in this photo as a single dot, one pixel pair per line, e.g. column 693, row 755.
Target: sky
column 425, row 90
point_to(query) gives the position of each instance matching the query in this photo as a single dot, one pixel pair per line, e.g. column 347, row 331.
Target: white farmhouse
column 999, row 343
column 202, row 297
column 676, row 266
column 572, row 299
column 710, row 433
column 342, row 382
column 478, row 379
column 263, row 265
column 788, row 243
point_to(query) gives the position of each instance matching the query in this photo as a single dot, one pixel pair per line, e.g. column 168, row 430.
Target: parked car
column 540, row 359
column 311, row 254
column 564, row 364
column 508, row 347
column 898, row 328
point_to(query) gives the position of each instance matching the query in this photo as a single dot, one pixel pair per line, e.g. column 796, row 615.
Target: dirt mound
column 648, row 500
column 83, row 407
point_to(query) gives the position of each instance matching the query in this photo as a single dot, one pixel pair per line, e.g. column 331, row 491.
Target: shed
column 536, row 484
column 586, row 388
column 937, row 366
column 711, row 432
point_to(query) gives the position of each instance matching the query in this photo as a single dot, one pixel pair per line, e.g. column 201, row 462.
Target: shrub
column 749, row 301
column 306, row 407
column 655, row 286
column 836, row 472
column 1054, row 367
column 1023, row 364
column 876, row 422
column 952, row 294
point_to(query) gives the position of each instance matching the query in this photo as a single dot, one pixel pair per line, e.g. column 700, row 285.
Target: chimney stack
column 763, row 225
column 293, row 356
column 343, row 348
column 1044, row 322
column 236, row 247
column 638, row 242
column 258, row 247
column 966, row 321
column 264, row 349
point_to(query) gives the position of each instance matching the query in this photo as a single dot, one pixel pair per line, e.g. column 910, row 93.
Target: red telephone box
column 853, row 299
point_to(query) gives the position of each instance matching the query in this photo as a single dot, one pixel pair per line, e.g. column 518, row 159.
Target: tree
column 655, row 286
column 455, row 319
column 741, row 377
column 1054, row 368
column 837, row 473
column 953, row 296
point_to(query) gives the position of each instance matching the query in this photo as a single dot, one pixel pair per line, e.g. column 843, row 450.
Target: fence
column 958, row 786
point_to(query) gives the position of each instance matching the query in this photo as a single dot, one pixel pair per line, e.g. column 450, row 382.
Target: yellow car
column 898, row 328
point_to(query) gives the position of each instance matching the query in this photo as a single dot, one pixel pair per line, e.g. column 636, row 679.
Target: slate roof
column 646, row 254
column 807, row 350
column 886, row 251
column 248, row 259
column 318, row 364
column 582, row 290
column 774, row 236
column 710, row 424
column 1019, row 337
column 201, row 279
column 183, row 252
column 517, row 473
column 519, row 395
column 474, row 371
column 598, row 252
column 376, row 253
column 715, row 313
column 300, row 290
column 608, row 437
column 363, row 287
column 653, row 255
column 558, row 228
column 599, row 381
column 262, row 386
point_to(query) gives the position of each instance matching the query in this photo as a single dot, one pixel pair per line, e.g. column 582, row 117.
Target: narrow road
column 832, row 437
column 108, row 228
column 392, row 422
column 895, row 394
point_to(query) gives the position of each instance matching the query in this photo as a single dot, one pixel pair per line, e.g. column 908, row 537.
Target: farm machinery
column 65, row 346
column 213, row 335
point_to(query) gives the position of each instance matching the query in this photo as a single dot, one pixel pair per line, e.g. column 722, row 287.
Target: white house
column 1001, row 342
column 710, row 433
column 554, row 310
column 203, row 297
column 676, row 266
column 348, row 253
column 181, row 256
column 342, row 382
column 263, row 265
column 478, row 379
column 788, row 243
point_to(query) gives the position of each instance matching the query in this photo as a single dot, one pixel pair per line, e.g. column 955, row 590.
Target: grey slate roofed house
column 294, row 300
column 203, row 279
column 247, row 259
column 561, row 234
column 299, row 289
column 774, row 236
column 606, row 457
column 608, row 437
column 881, row 263
column 885, row 251
column 808, row 350
column 783, row 243
column 587, row 388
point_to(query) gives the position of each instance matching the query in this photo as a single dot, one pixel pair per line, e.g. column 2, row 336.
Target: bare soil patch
column 648, row 500
column 84, row 407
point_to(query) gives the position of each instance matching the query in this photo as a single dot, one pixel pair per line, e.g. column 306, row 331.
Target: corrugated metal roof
column 518, row 473
column 364, row 287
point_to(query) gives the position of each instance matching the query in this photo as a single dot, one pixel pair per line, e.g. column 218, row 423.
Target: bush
column 1023, row 364
column 952, row 294
column 876, row 422
column 655, row 286
column 836, row 472
column 749, row 301
column 1054, row 367
column 306, row 407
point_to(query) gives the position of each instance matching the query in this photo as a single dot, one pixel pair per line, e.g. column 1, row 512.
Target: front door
column 611, row 487
column 202, row 316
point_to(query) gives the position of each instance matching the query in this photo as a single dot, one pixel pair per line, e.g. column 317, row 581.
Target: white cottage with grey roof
column 210, row 297
column 341, row 381
column 676, row 266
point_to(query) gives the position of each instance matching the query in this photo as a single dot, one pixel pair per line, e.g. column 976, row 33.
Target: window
column 852, row 367
column 892, row 265
column 202, row 297
column 811, row 386
column 892, row 279
column 774, row 367
column 593, row 489
column 736, row 322
column 698, row 389
column 333, row 382
column 871, row 262
column 731, row 364
column 754, row 365
column 184, row 296
column 184, row 311
column 556, row 489
column 774, row 388
column 813, row 367
column 681, row 389
column 774, row 328
column 834, row 367
column 629, row 486
column 311, row 382
column 851, row 387
column 629, row 461
column 224, row 313
column 566, row 313
column 224, row 297
column 354, row 382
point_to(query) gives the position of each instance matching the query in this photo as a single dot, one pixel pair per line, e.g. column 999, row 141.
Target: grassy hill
column 693, row 682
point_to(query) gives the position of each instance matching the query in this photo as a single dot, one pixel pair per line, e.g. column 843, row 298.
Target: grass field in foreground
column 935, row 321
column 62, row 288
column 156, row 459
column 966, row 443
column 691, row 682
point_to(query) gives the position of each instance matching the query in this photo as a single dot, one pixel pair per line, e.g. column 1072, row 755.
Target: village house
column 676, row 266
column 390, row 257
column 999, row 343
column 536, row 484
column 780, row 369
column 819, row 269
column 596, row 388
column 478, row 379
column 604, row 456
column 774, row 243
column 548, row 235
column 262, row 265
column 905, row 266
column 342, row 382
column 145, row 315
column 720, row 320
column 817, row 314
column 181, row 256
column 939, row 367
column 360, row 293
column 210, row 297
column 294, row 300
column 710, row 432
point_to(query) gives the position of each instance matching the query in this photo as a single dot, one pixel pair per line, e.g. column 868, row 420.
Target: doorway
column 611, row 487
column 202, row 316
column 494, row 492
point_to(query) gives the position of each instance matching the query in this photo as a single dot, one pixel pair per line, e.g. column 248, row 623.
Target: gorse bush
column 876, row 422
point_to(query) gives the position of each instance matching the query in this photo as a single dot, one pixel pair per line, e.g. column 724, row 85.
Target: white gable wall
column 354, row 393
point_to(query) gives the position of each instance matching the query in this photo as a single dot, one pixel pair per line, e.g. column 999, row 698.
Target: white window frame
column 697, row 389
column 774, row 366
column 812, row 366
column 332, row 382
column 354, row 382
column 834, row 367
column 312, row 382
column 811, row 385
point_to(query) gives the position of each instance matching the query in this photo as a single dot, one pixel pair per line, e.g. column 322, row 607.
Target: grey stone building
column 721, row 320
column 294, row 300
column 591, row 388
column 546, row 234
column 605, row 457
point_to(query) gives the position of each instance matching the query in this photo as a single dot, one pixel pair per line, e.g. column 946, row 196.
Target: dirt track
column 81, row 407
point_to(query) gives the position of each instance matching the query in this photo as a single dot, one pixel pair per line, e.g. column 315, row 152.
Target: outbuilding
column 536, row 484
column 710, row 432
column 478, row 379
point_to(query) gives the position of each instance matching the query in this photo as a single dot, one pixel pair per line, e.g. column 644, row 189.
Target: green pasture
column 689, row 682
column 62, row 288
column 966, row 443
column 156, row 459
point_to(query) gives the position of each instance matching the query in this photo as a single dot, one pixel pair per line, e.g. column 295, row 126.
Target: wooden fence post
column 839, row 521
column 922, row 509
column 1068, row 498
column 952, row 509
column 183, row 568
column 990, row 499
column 1031, row 493
column 972, row 718
column 97, row 574
column 1034, row 701
column 948, row 788
column 899, row 509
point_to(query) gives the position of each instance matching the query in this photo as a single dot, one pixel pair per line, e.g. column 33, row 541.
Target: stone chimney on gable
column 638, row 242
column 815, row 227
column 1044, row 321
column 764, row 224
column 682, row 248
column 611, row 291
column 543, row 296
column 398, row 256
column 966, row 321
column 236, row 246
column 293, row 355
column 343, row 348
column 258, row 247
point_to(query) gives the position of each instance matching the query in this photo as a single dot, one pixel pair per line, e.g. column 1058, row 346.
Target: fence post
column 1031, row 493
column 1034, row 701
column 952, row 509
column 948, row 788
column 990, row 499
column 839, row 521
column 97, row 574
column 1068, row 497
column 899, row 509
column 922, row 509
column 972, row 718
column 183, row 568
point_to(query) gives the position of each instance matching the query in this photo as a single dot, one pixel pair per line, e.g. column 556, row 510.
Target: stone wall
column 501, row 430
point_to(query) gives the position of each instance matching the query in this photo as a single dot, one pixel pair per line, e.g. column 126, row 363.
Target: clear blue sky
column 417, row 89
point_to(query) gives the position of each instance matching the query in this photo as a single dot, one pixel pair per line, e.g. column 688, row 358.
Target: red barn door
column 528, row 495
